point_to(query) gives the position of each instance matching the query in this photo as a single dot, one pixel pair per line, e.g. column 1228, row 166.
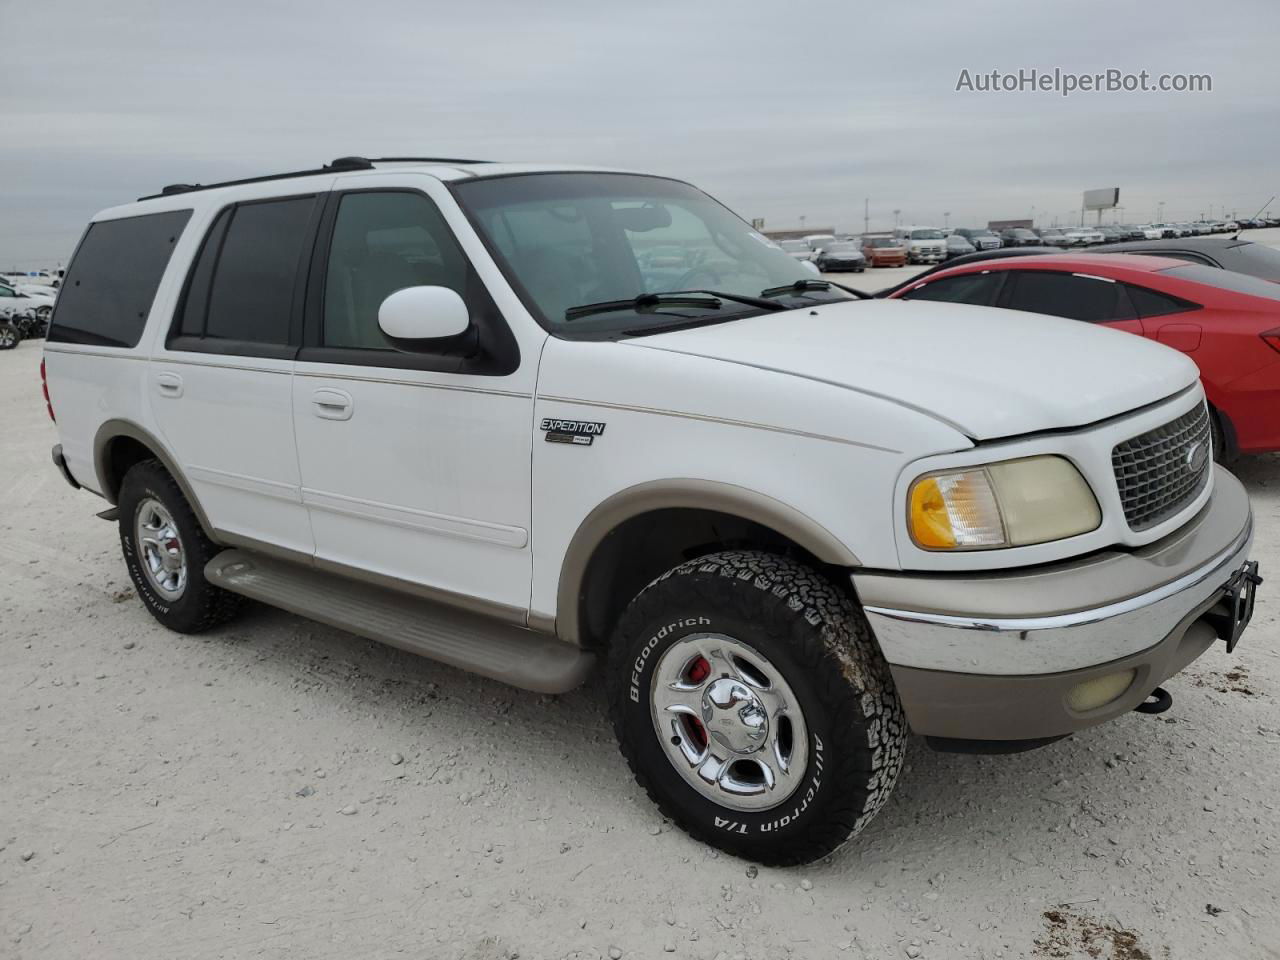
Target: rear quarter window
column 113, row 278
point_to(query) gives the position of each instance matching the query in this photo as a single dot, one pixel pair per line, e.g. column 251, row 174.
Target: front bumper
column 993, row 656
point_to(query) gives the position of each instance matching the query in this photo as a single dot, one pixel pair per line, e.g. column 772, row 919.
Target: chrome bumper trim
column 971, row 643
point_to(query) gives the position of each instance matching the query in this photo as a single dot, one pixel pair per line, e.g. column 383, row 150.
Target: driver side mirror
column 428, row 320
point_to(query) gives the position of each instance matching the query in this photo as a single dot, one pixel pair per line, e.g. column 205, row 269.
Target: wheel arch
column 639, row 533
column 118, row 445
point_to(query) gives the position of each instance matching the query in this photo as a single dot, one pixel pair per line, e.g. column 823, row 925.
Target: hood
column 990, row 373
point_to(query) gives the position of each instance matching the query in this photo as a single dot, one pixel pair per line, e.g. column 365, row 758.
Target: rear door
column 220, row 387
column 415, row 466
column 1076, row 296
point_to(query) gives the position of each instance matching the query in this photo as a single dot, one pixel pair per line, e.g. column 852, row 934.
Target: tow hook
column 1158, row 701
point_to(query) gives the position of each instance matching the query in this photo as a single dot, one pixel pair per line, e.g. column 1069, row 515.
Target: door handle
column 169, row 384
column 330, row 404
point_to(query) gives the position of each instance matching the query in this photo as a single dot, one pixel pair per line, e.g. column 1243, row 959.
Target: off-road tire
column 817, row 638
column 202, row 605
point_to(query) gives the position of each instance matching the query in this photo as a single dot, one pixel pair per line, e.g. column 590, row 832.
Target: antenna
column 1254, row 217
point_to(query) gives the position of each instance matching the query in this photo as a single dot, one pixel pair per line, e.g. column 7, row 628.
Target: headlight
column 1009, row 504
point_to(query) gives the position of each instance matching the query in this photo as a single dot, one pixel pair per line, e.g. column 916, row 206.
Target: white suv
column 517, row 417
column 924, row 244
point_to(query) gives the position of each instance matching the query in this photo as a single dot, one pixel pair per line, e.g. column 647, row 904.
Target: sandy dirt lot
column 278, row 788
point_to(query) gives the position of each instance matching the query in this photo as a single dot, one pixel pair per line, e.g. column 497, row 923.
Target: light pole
column 946, row 220
column 802, row 221
column 866, row 215
column 1160, row 212
column 896, row 224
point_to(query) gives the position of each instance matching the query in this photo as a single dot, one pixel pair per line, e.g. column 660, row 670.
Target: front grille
column 1161, row 471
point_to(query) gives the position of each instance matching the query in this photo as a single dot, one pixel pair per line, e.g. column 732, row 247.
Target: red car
column 1229, row 323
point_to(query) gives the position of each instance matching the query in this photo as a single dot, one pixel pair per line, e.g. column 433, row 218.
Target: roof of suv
column 443, row 169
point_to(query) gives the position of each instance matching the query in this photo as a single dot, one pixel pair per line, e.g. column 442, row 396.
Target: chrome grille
column 1161, row 471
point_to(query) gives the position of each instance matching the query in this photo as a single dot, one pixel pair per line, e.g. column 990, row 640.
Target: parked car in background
column 980, row 237
column 1226, row 253
column 884, row 250
column 924, row 244
column 15, row 303
column 1053, row 237
column 1111, row 233
column 22, row 285
column 958, row 246
column 797, row 249
column 1085, row 236
column 817, row 241
column 841, row 255
column 1019, row 237
column 1227, row 322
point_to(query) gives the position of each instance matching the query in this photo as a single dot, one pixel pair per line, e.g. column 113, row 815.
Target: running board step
column 469, row 641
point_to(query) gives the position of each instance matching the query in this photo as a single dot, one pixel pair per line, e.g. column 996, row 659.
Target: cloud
column 778, row 110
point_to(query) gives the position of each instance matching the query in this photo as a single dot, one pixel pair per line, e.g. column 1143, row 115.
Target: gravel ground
column 279, row 788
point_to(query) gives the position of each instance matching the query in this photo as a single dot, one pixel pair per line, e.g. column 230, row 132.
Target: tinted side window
column 1070, row 296
column 196, row 302
column 384, row 242
column 251, row 298
column 113, row 279
column 1149, row 303
column 968, row 288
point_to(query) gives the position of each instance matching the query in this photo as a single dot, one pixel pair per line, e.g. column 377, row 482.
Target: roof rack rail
column 420, row 160
column 341, row 164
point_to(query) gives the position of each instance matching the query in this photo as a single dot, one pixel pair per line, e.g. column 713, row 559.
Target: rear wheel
column 166, row 551
column 752, row 704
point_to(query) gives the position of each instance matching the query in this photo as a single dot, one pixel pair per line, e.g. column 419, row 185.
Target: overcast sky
column 781, row 110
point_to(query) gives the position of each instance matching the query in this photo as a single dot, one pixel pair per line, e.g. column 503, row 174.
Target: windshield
column 843, row 246
column 882, row 242
column 926, row 234
column 569, row 239
column 794, row 246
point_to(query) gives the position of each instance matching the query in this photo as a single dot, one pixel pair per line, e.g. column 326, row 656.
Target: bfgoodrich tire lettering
column 814, row 635
column 200, row 605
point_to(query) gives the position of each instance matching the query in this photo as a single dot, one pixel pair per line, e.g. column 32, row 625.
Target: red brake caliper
column 698, row 671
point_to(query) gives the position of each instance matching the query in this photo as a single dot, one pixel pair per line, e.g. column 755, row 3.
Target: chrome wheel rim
column 164, row 561
column 728, row 722
column 7, row 336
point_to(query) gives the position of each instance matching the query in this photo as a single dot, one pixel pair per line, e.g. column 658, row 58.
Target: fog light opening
column 1099, row 691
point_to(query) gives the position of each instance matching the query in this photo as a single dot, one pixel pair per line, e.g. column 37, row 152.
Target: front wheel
column 9, row 336
column 752, row 704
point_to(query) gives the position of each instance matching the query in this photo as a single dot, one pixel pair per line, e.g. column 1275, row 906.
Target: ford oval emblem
column 1197, row 456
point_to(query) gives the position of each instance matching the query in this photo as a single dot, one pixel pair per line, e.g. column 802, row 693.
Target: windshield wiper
column 643, row 302
column 760, row 302
column 801, row 286
column 707, row 299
